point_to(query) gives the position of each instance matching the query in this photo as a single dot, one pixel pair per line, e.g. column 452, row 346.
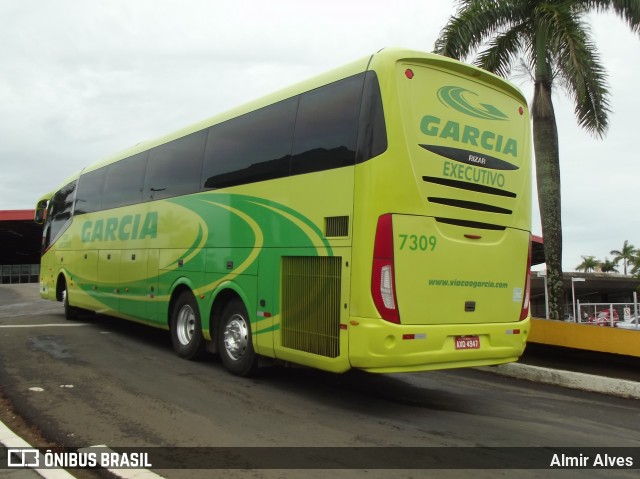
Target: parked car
column 603, row 318
column 633, row 323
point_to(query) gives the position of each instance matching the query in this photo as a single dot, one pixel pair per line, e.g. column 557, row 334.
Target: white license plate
column 467, row 342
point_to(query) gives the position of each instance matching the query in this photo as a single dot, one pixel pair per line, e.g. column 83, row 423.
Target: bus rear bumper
column 376, row 345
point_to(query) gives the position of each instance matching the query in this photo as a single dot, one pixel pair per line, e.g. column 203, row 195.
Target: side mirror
column 41, row 211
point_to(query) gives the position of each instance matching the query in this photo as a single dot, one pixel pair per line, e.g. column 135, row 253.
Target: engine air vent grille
column 336, row 226
column 311, row 289
column 471, row 224
column 463, row 185
column 470, row 205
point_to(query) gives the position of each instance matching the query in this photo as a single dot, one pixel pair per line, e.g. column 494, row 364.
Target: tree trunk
column 545, row 142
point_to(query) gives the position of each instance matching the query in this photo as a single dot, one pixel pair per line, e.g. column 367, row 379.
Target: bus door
column 268, row 308
column 138, row 283
column 108, row 288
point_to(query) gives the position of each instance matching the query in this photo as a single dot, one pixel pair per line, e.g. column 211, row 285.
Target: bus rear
column 442, row 222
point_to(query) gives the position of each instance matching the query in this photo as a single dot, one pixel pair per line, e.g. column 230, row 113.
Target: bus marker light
column 513, row 331
column 473, row 237
column 354, row 323
column 408, row 73
column 414, row 336
column 343, row 326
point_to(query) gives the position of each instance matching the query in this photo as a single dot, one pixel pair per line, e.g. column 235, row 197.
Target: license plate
column 467, row 342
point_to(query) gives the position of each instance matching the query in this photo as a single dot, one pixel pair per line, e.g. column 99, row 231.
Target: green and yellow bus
column 373, row 217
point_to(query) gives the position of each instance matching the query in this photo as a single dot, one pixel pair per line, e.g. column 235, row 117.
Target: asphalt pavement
column 597, row 372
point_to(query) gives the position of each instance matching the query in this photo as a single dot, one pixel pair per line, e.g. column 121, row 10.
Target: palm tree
column 635, row 264
column 589, row 264
column 608, row 266
column 625, row 254
column 551, row 39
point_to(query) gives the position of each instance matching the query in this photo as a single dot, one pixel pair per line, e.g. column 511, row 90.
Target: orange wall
column 584, row 336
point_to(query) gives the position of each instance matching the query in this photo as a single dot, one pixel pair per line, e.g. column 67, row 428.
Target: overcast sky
column 83, row 79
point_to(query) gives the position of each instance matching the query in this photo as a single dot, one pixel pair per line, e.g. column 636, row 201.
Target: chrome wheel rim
column 236, row 337
column 185, row 324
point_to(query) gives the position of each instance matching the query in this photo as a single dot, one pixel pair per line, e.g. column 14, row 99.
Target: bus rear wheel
column 234, row 340
column 186, row 328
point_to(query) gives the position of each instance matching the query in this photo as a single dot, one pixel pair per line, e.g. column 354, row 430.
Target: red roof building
column 20, row 240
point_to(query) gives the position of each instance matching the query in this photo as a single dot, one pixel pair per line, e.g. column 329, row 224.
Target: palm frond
column 583, row 76
column 474, row 23
column 628, row 10
column 502, row 52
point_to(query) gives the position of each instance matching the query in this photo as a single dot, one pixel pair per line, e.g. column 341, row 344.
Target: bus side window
column 327, row 126
column 89, row 197
column 174, row 168
column 124, row 182
column 253, row 147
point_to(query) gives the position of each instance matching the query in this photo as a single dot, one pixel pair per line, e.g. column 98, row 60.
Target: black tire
column 70, row 312
column 186, row 328
column 234, row 340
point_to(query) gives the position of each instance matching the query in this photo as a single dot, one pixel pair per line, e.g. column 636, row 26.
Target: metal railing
column 623, row 315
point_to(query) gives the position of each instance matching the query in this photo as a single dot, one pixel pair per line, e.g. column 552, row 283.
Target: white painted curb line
column 568, row 379
column 10, row 440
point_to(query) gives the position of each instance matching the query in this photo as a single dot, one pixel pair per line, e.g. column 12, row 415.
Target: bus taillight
column 382, row 277
column 527, row 286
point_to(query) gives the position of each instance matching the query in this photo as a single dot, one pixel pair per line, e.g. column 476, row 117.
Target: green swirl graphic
column 454, row 96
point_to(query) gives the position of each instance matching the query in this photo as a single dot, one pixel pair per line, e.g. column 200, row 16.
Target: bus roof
column 378, row 60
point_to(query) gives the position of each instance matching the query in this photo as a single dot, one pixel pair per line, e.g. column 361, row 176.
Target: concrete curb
column 569, row 379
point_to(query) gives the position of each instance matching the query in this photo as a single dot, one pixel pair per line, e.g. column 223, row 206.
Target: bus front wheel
column 186, row 329
column 71, row 313
column 234, row 340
